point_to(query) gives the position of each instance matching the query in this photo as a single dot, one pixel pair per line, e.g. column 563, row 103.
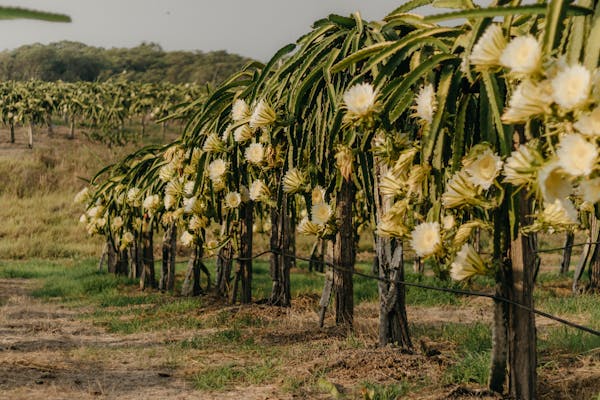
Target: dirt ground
column 47, row 351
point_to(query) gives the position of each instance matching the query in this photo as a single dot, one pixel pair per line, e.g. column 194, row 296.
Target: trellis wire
column 426, row 287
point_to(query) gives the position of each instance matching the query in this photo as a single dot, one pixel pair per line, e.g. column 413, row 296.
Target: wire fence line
column 420, row 286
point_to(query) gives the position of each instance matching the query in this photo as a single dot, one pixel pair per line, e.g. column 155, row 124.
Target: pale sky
column 252, row 28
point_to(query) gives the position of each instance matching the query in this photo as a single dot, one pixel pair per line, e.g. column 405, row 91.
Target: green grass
column 373, row 391
column 223, row 377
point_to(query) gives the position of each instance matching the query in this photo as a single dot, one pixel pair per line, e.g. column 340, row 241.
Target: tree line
column 73, row 61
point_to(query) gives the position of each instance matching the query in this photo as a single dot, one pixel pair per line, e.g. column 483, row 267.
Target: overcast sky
column 253, row 28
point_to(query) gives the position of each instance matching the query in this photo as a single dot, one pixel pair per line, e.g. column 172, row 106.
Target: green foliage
column 23, row 13
column 73, row 61
column 222, row 377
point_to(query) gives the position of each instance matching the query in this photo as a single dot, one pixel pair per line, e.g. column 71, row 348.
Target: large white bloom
column 216, row 169
column 259, row 190
column 188, row 188
column 528, row 100
column 360, row 99
column 589, row 190
column 262, row 116
column 152, row 202
column 240, row 110
column 294, row 181
column 520, row 168
column 133, row 197
column 553, row 183
column 166, row 172
column 488, row 49
column 232, row 199
column 188, row 204
column 571, row 86
column 117, row 222
column 460, row 191
column 255, row 153
column 127, row 239
column 425, row 104
column 318, row 195
column 576, row 155
column 82, row 196
column 186, row 239
column 467, row 264
column 213, row 144
column 559, row 213
column 170, row 201
column 523, row 55
column 484, row 169
column 589, row 123
column 321, row 213
column 242, row 133
column 426, row 239
column 306, row 227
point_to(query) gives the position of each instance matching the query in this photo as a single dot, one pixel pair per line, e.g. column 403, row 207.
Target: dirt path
column 47, row 352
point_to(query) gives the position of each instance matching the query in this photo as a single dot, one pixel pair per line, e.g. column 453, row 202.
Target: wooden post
column 148, row 278
column 344, row 255
column 567, row 251
column 389, row 265
column 30, row 135
column 169, row 250
column 280, row 263
column 521, row 327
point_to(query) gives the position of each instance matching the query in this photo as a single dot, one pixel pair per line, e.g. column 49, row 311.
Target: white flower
column 589, row 123
column 426, row 239
column 232, row 199
column 83, row 196
column 117, row 222
column 523, row 55
column 83, row 219
column 486, row 53
column 262, row 116
column 553, row 183
column 559, row 213
column 186, row 239
column 188, row 204
column 259, row 190
column 460, row 191
column 197, row 223
column 360, row 100
column 169, row 201
column 216, row 169
column 166, row 172
column 467, row 264
column 426, row 104
column 484, row 169
column 576, row 155
column 571, row 86
column 133, row 197
column 318, row 195
column 240, row 110
column 391, row 184
column 306, row 227
column 255, row 153
column 152, row 202
column 127, row 239
column 520, row 168
column 321, row 213
column 95, row 212
column 188, row 188
column 242, row 133
column 293, row 181
column 590, row 190
column 213, row 144
column 528, row 100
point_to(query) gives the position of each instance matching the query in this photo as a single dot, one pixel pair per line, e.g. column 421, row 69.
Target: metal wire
column 429, row 287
